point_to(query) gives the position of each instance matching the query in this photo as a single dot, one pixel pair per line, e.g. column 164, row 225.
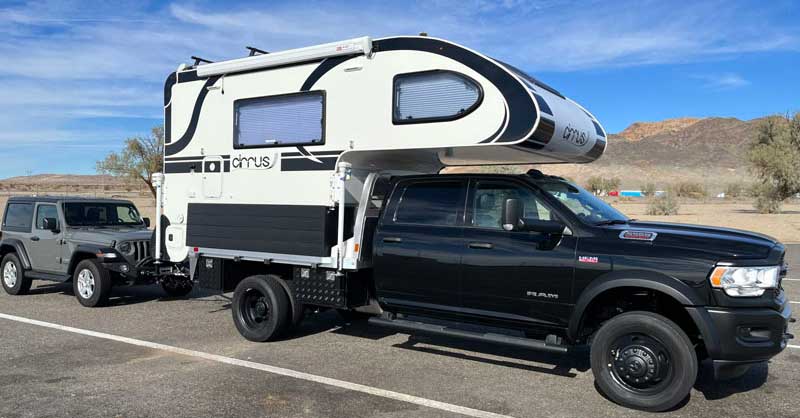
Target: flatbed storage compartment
column 278, row 229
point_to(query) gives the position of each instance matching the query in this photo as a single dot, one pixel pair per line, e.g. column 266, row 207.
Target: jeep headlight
column 745, row 281
column 125, row 248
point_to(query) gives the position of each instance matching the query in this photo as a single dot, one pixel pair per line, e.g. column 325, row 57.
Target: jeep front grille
column 141, row 250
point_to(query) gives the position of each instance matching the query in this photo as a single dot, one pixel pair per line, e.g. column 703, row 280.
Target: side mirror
column 545, row 227
column 146, row 222
column 512, row 214
column 50, row 224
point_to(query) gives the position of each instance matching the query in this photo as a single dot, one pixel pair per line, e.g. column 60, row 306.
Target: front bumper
column 737, row 337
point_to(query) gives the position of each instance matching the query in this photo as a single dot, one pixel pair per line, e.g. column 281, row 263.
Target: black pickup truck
column 536, row 262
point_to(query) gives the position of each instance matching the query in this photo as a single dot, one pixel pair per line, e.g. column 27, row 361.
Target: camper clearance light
column 361, row 45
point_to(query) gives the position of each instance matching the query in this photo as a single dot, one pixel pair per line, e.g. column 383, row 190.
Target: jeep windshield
column 586, row 206
column 101, row 214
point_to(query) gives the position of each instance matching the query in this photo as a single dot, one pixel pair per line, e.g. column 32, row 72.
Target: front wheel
column 91, row 284
column 13, row 276
column 643, row 360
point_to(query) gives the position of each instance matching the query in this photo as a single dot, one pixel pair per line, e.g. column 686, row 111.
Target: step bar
column 441, row 330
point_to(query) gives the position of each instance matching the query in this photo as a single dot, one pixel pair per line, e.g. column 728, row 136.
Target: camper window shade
column 291, row 119
column 434, row 96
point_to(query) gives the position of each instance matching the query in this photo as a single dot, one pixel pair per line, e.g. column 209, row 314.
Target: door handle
column 481, row 245
column 392, row 239
column 34, row 238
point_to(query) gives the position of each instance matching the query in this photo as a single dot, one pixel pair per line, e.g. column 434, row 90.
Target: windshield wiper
column 611, row 222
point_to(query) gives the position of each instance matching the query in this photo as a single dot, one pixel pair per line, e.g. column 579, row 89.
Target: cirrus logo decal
column 575, row 136
column 260, row 162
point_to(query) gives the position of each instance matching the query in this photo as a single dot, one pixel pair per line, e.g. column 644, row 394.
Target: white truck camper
column 277, row 157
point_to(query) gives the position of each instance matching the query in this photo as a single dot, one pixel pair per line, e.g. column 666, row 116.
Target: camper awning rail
column 356, row 46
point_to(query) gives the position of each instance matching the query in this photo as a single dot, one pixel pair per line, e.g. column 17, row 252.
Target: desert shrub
column 768, row 198
column 690, row 189
column 734, row 190
column 774, row 158
column 649, row 190
column 601, row 185
column 664, row 204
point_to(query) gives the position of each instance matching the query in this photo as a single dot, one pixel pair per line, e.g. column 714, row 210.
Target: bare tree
column 139, row 159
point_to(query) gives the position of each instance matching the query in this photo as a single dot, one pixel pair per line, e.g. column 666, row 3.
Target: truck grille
column 141, row 250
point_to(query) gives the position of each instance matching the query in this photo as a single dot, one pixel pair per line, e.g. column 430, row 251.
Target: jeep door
column 418, row 246
column 45, row 245
column 514, row 276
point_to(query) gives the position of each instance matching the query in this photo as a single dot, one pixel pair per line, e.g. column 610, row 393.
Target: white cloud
column 723, row 81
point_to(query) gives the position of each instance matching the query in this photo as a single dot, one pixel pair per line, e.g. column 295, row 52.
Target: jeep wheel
column 261, row 308
column 644, row 361
column 91, row 284
column 13, row 276
column 177, row 288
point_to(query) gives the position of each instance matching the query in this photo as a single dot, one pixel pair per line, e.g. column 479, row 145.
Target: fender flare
column 89, row 249
column 670, row 286
column 297, row 307
column 19, row 248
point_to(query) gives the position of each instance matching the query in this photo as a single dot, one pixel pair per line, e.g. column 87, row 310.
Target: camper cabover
column 310, row 179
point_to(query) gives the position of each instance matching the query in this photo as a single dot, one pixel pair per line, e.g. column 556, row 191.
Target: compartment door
column 212, row 177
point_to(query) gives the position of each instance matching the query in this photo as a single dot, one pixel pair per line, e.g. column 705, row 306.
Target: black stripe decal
column 171, row 80
column 500, row 129
column 188, row 76
column 544, row 132
column 182, row 167
column 316, row 154
column 543, row 106
column 178, row 146
column 304, row 164
column 192, row 158
column 326, row 65
column 597, row 150
column 522, row 111
column 598, row 130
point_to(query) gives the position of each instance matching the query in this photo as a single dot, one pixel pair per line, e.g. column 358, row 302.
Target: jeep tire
column 643, row 360
column 261, row 310
column 12, row 275
column 91, row 284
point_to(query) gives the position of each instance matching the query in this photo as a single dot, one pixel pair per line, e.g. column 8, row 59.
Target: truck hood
column 104, row 236
column 719, row 243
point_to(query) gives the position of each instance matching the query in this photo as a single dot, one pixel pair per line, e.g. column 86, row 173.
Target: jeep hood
column 718, row 243
column 104, row 236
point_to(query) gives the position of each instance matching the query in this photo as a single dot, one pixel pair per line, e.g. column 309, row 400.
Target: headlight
column 125, row 248
column 745, row 281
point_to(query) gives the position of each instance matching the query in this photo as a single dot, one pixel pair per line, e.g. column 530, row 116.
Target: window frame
column 36, row 216
column 401, row 188
column 22, row 229
column 399, row 77
column 469, row 216
column 323, row 122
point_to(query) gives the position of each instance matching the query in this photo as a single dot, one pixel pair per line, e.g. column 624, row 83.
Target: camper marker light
column 361, row 45
column 745, row 281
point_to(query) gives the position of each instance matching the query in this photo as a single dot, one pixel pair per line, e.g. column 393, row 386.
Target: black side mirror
column 146, row 222
column 512, row 214
column 50, row 224
column 545, row 227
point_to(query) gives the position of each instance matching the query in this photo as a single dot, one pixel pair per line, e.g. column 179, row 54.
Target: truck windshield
column 101, row 214
column 588, row 207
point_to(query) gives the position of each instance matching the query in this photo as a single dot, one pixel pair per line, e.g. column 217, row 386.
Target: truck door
column 521, row 277
column 45, row 249
column 419, row 244
column 212, row 177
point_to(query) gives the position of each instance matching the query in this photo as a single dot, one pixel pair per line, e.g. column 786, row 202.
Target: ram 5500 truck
column 539, row 263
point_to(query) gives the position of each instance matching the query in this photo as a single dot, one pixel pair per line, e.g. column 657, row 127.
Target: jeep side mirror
column 512, row 214
column 50, row 224
column 146, row 222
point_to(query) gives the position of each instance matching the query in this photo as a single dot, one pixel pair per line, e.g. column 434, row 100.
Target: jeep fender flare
column 18, row 248
column 670, row 286
column 80, row 253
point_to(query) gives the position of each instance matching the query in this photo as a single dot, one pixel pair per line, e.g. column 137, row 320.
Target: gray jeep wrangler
column 95, row 243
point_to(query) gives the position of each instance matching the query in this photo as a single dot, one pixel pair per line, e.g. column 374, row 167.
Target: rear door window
column 19, row 217
column 431, row 203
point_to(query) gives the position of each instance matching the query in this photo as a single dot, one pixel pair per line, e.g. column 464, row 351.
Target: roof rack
column 356, row 46
column 256, row 51
column 198, row 60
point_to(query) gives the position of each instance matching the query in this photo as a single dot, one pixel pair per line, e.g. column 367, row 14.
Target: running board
column 441, row 330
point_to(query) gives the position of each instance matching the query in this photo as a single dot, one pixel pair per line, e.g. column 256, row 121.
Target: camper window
column 288, row 119
column 434, row 96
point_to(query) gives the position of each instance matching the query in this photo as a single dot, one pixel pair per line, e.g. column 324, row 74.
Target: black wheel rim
column 255, row 310
column 640, row 363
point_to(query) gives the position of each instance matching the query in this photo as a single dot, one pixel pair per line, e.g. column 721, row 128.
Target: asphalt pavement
column 146, row 355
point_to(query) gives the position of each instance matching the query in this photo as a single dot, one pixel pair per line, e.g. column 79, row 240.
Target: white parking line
column 792, row 346
column 790, row 280
column 793, row 302
column 267, row 368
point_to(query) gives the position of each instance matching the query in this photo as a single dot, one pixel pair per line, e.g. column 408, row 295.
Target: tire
column 177, row 288
column 260, row 308
column 634, row 381
column 12, row 275
column 91, row 284
column 352, row 316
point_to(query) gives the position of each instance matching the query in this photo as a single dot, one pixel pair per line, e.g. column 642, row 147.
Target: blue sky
column 78, row 77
